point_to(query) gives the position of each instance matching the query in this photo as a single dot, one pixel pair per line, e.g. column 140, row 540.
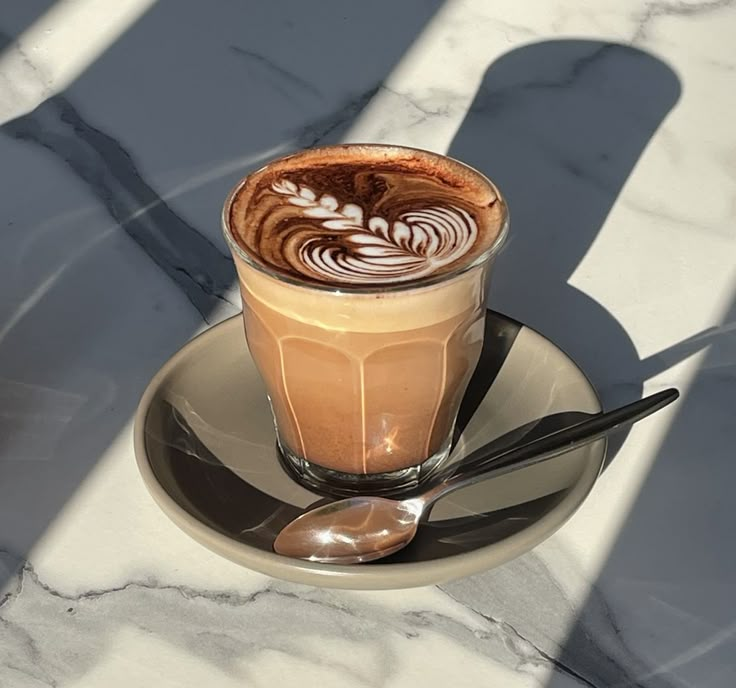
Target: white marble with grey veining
column 122, row 127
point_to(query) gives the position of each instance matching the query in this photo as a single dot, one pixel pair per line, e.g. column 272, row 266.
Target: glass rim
column 389, row 287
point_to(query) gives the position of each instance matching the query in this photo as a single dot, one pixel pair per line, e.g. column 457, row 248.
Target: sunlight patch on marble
column 59, row 46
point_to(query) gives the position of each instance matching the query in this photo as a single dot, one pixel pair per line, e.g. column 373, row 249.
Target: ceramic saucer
column 206, row 449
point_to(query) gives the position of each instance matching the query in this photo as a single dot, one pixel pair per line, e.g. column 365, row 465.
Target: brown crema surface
column 364, row 207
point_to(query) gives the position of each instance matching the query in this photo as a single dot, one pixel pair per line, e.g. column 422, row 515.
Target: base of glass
column 332, row 483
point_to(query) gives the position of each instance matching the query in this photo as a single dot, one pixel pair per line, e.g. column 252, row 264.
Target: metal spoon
column 360, row 529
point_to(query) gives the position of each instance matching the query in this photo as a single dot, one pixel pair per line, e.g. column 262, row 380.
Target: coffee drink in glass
column 363, row 272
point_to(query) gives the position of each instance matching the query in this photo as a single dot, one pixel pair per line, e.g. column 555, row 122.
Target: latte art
column 353, row 250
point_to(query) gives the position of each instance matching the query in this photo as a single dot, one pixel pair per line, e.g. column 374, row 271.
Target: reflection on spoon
column 361, row 529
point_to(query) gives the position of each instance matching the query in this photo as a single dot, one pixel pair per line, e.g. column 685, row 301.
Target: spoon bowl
column 357, row 529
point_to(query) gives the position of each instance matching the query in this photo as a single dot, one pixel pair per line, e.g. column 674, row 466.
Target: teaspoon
column 364, row 528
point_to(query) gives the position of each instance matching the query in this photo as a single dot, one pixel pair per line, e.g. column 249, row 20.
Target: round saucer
column 206, row 448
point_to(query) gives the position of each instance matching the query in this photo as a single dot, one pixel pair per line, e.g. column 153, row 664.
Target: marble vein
column 102, row 163
column 593, row 652
column 288, row 78
column 531, row 649
column 40, row 625
column 490, row 101
column 561, row 666
column 327, row 129
column 658, row 9
column 436, row 112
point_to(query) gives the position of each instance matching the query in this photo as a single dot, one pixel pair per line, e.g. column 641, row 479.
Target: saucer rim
column 357, row 577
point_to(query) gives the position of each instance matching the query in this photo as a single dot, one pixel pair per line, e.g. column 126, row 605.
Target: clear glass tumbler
column 364, row 383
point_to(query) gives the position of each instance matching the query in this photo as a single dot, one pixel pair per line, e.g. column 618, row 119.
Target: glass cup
column 364, row 383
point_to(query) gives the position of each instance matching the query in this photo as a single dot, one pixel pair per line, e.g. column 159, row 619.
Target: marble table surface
column 610, row 126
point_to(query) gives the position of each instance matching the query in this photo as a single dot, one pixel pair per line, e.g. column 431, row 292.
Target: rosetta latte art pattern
column 414, row 246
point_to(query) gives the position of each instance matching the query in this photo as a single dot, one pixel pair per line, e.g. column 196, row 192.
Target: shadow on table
column 560, row 126
column 112, row 194
column 662, row 612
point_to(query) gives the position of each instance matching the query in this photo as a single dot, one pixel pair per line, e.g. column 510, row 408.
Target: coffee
column 363, row 272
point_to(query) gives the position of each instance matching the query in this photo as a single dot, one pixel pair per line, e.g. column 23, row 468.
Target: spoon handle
column 552, row 445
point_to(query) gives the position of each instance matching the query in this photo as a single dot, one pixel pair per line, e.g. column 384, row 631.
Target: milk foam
column 389, row 312
column 354, row 250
